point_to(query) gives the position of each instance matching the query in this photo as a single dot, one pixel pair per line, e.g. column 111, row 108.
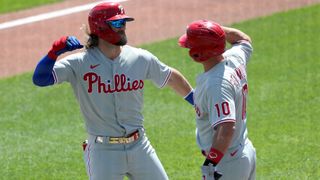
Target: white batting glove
column 209, row 173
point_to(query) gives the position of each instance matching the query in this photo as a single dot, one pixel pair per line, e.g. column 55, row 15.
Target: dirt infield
column 23, row 46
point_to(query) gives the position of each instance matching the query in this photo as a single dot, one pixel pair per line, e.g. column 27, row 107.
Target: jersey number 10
column 225, row 109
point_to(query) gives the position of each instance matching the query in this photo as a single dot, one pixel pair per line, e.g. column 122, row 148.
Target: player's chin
column 122, row 41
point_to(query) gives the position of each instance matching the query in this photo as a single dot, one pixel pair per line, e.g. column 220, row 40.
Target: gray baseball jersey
column 110, row 92
column 220, row 96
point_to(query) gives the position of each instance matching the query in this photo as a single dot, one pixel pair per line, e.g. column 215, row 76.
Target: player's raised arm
column 43, row 72
column 235, row 35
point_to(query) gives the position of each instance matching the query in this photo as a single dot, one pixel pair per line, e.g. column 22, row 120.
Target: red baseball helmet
column 204, row 39
column 100, row 14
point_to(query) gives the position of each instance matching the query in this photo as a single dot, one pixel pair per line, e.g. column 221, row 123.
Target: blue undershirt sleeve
column 42, row 75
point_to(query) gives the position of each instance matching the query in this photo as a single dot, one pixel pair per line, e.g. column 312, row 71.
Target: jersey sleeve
column 221, row 104
column 241, row 50
column 65, row 70
column 157, row 72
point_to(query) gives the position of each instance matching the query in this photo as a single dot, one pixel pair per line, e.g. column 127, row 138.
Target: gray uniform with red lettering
column 220, row 96
column 110, row 94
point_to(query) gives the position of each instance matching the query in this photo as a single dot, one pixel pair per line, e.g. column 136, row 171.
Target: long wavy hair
column 92, row 39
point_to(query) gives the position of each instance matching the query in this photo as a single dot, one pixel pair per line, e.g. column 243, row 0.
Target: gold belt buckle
column 123, row 140
column 113, row 140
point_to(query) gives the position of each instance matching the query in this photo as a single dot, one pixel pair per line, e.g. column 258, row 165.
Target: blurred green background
column 42, row 128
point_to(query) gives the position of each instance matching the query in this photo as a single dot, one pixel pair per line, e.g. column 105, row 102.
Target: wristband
column 214, row 156
column 189, row 97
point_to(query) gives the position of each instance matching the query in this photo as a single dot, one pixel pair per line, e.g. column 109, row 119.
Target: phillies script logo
column 121, row 83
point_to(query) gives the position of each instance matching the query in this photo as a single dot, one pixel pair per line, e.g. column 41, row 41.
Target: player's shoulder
column 239, row 48
column 132, row 49
column 140, row 52
column 239, row 52
column 73, row 57
column 78, row 55
column 243, row 44
column 217, row 85
column 219, row 76
column 214, row 76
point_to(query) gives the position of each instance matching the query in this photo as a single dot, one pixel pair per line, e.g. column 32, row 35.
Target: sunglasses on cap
column 120, row 23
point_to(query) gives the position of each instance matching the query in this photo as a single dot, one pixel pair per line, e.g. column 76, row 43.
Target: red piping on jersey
column 88, row 161
column 223, row 121
column 167, row 79
column 54, row 76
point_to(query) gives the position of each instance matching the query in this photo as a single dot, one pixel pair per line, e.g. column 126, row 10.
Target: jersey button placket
column 115, row 94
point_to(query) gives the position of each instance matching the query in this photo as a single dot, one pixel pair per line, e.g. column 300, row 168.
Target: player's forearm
column 179, row 83
column 223, row 136
column 234, row 35
column 220, row 143
column 42, row 75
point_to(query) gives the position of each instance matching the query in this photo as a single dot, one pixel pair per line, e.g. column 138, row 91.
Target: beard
column 123, row 39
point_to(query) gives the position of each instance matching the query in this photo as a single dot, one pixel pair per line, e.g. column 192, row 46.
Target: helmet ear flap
column 200, row 54
column 195, row 53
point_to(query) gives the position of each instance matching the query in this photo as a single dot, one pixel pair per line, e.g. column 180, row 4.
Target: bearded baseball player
column 108, row 80
column 220, row 100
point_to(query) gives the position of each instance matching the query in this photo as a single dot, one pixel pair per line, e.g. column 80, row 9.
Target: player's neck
column 109, row 50
column 210, row 63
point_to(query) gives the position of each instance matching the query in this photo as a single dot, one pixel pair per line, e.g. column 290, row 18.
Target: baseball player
column 220, row 99
column 108, row 80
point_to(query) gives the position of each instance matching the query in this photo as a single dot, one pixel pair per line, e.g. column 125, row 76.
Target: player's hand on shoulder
column 62, row 45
